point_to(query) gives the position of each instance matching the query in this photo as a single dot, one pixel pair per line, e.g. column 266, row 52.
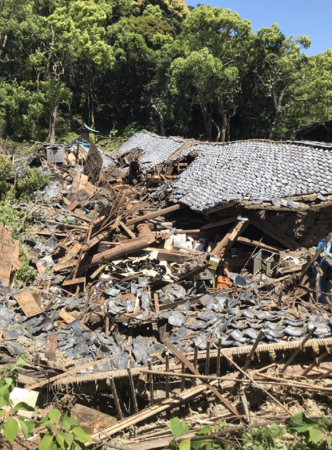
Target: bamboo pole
column 252, row 351
column 297, row 350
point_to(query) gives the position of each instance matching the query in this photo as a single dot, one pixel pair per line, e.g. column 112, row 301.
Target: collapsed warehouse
column 174, row 274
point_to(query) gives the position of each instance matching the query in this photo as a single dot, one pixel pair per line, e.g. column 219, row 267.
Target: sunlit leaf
column 11, row 429
column 81, row 435
column 178, row 428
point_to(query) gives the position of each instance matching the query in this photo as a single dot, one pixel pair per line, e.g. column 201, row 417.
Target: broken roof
column 155, row 149
column 252, row 170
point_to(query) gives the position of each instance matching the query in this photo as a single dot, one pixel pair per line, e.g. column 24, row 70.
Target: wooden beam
column 218, row 223
column 74, row 281
column 190, row 366
column 270, row 230
column 145, row 238
column 152, row 215
column 226, row 243
column 258, row 244
column 65, row 374
column 127, row 230
column 152, row 411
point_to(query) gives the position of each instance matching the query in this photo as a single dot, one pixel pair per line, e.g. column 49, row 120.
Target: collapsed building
column 176, row 259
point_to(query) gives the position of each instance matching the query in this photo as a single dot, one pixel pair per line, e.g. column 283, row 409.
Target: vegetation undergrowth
column 57, row 431
column 25, row 273
column 298, row 433
column 32, row 181
column 15, row 220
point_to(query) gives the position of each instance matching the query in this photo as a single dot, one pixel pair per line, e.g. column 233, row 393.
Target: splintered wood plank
column 73, row 205
column 51, row 347
column 74, row 281
column 91, row 420
column 5, row 272
column 68, row 318
column 27, row 303
column 81, row 183
column 9, row 255
column 69, row 258
column 98, row 271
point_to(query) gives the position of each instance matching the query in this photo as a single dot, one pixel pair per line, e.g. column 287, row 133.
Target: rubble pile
column 170, row 251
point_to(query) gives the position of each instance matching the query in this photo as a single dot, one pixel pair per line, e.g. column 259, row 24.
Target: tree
column 215, row 57
column 280, row 66
column 176, row 8
column 136, row 84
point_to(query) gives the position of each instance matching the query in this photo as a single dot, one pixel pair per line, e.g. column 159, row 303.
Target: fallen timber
column 272, row 351
column 138, row 253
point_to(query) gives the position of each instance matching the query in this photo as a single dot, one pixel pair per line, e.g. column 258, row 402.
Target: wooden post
column 156, row 303
column 132, row 388
column 183, row 380
column 316, row 363
column 218, row 357
column 297, row 350
column 116, row 398
column 151, row 383
column 167, row 377
column 190, row 366
column 207, row 359
column 225, row 244
column 107, row 326
column 195, row 363
column 324, row 375
column 252, row 351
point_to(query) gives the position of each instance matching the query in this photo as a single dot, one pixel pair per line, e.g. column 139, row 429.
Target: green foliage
column 307, row 434
column 5, row 169
column 32, row 181
column 25, row 273
column 131, row 129
column 62, row 432
column 13, row 219
column 178, row 428
column 199, row 72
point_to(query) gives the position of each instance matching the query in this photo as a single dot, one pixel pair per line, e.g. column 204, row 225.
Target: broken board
column 9, row 255
column 27, row 303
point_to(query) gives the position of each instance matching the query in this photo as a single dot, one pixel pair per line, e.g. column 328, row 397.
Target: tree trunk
column 52, row 125
column 275, row 122
column 207, row 121
column 225, row 120
column 161, row 118
column 228, row 132
column 91, row 109
column 278, row 109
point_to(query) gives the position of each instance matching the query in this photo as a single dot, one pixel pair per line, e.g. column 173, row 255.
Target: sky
column 312, row 18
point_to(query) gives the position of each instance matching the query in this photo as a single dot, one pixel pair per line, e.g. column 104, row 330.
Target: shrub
column 13, row 219
column 5, row 169
column 33, row 181
column 25, row 273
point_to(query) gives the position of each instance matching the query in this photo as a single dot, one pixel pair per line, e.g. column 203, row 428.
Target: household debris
column 160, row 271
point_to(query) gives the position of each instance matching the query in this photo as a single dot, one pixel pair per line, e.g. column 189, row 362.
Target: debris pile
column 171, row 256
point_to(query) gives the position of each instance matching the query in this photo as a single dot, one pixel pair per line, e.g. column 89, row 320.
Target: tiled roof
column 252, row 170
column 155, row 149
